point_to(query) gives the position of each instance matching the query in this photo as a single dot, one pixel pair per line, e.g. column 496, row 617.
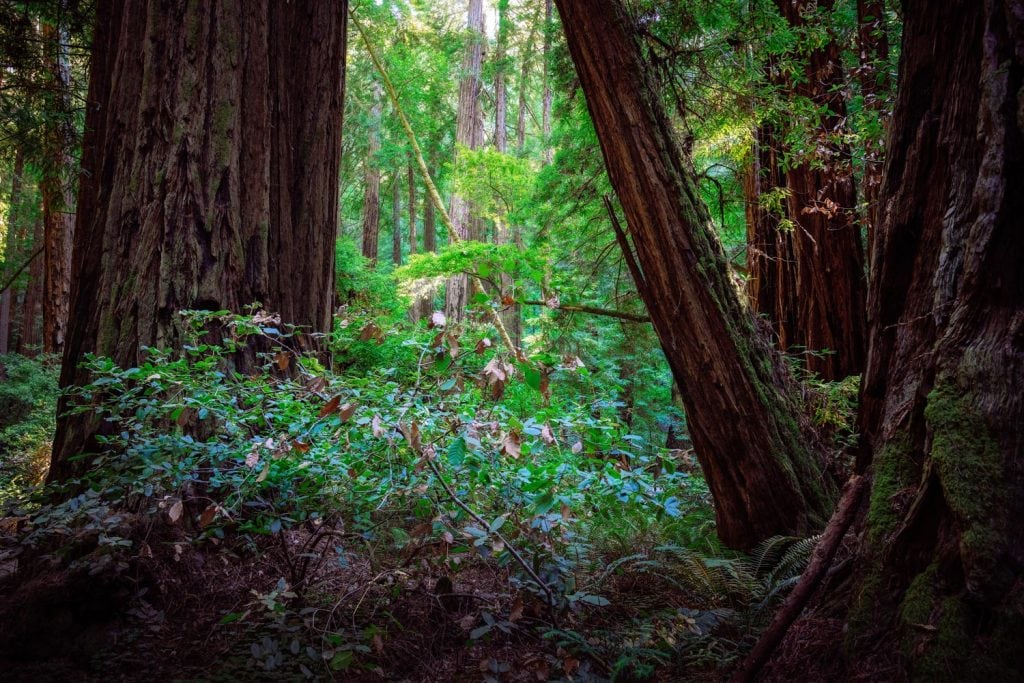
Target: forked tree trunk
column 468, row 133
column 744, row 415
column 211, row 154
column 371, row 177
column 940, row 565
column 58, row 195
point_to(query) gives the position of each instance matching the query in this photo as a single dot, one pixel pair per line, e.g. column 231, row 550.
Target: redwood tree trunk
column 940, row 566
column 810, row 282
column 31, row 317
column 371, row 188
column 11, row 253
column 873, row 46
column 210, row 176
column 468, row 133
column 761, row 467
column 56, row 188
column 549, row 31
column 396, row 220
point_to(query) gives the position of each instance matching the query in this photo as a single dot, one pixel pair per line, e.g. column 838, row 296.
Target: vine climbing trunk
column 762, row 467
column 210, row 178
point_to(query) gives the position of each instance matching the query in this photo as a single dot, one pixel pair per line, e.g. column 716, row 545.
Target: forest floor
column 162, row 617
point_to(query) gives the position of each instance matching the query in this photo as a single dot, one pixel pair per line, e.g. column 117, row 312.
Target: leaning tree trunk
column 744, row 417
column 56, row 188
column 940, row 566
column 469, row 134
column 210, row 181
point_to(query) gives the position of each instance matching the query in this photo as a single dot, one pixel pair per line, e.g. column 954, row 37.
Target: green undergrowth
column 407, row 440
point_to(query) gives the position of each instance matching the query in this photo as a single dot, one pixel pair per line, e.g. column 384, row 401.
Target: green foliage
column 28, row 395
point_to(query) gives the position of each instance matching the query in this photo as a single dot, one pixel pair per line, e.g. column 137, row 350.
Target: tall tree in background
column 210, row 180
column 809, row 277
column 873, row 49
column 548, row 96
column 762, row 468
column 396, row 219
column 469, row 133
column 57, row 190
column 371, row 175
column 10, row 251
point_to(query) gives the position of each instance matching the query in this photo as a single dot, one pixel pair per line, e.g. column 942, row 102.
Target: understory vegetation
column 418, row 494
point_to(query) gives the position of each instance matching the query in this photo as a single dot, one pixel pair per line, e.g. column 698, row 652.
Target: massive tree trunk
column 56, row 188
column 468, row 133
column 810, row 282
column 940, row 566
column 371, row 176
column 210, row 158
column 744, row 415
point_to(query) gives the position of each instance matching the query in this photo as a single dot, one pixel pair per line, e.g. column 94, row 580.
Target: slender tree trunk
column 56, row 188
column 873, row 46
column 30, row 320
column 743, row 412
column 371, row 192
column 429, row 225
column 940, row 562
column 396, row 220
column 11, row 251
column 210, row 177
column 469, row 133
column 411, row 182
column 549, row 31
column 503, row 232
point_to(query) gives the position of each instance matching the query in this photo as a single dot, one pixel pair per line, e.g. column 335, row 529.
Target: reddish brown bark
column 873, row 48
column 743, row 414
column 210, row 161
column 939, row 567
column 56, row 189
column 11, row 253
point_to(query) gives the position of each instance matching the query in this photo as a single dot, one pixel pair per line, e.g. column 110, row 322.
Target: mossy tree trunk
column 939, row 571
column 210, row 158
column 763, row 469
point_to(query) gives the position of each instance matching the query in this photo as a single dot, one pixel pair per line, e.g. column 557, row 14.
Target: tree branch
column 10, row 280
column 593, row 310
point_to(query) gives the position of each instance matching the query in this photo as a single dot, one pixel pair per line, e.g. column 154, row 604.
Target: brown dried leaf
column 300, row 446
column 512, row 445
column 174, row 513
column 283, row 360
column 206, row 519
column 330, row 407
column 483, row 345
column 371, row 331
column 347, row 411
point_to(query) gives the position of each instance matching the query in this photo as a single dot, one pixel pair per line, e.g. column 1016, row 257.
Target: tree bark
column 30, row 319
column 511, row 314
column 396, row 220
column 809, row 278
column 10, row 249
column 371, row 191
column 56, row 188
column 411, row 182
column 761, row 466
column 210, row 180
column 469, row 134
column 940, row 562
column 429, row 225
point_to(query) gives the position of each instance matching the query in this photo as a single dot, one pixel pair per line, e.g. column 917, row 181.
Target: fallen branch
column 592, row 310
column 822, row 558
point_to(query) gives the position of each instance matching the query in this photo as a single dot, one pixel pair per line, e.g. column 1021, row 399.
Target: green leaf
column 457, row 452
column 532, row 376
column 498, row 523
